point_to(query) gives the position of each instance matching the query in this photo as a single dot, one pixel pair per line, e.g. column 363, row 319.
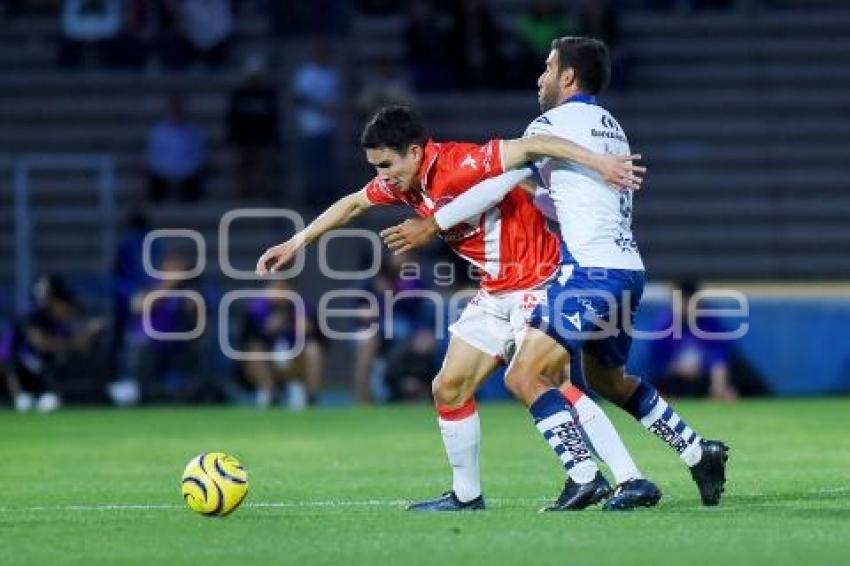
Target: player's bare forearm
column 618, row 170
column 338, row 214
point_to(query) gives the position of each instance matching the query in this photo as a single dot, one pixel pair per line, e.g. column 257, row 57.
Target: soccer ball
column 214, row 484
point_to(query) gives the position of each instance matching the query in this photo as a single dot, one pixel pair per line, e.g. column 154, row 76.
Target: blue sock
column 556, row 424
column 659, row 418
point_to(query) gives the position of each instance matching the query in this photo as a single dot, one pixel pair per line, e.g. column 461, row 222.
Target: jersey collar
column 581, row 97
column 429, row 157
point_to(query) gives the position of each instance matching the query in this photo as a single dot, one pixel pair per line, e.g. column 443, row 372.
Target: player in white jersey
column 592, row 302
column 426, row 175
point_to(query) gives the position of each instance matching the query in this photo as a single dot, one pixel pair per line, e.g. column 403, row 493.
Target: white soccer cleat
column 296, row 396
column 24, row 402
column 48, row 402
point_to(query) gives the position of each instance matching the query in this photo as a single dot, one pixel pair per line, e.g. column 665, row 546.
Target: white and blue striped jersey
column 595, row 218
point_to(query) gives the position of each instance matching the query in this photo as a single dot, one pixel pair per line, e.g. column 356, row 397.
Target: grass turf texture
column 328, row 486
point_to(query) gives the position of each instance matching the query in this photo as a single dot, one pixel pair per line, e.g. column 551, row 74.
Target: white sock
column 462, row 439
column 605, row 440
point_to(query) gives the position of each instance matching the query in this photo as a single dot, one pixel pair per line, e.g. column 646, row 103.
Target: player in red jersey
column 505, row 243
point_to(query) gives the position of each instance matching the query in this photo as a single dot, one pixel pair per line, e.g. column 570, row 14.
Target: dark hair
column 394, row 127
column 588, row 58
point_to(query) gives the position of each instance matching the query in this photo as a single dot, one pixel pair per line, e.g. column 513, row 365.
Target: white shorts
column 492, row 323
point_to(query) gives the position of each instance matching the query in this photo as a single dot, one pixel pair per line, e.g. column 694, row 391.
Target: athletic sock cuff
column 571, row 393
column 642, row 400
column 548, row 404
column 457, row 413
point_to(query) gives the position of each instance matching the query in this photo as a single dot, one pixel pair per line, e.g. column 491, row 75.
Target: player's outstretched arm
column 619, row 170
column 416, row 232
column 338, row 214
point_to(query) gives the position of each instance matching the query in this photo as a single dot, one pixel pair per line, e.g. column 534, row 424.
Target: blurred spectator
column 474, row 41
column 544, row 22
column 208, row 26
column 411, row 366
column 394, row 277
column 88, row 26
column 195, row 31
column 163, row 370
column 130, row 278
column 176, row 155
column 252, row 128
column 692, row 366
column 316, row 91
column 383, row 84
column 45, row 344
column 427, row 47
column 271, row 327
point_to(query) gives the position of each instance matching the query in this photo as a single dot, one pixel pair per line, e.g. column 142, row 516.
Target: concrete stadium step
column 40, row 110
column 730, row 25
column 756, row 181
column 89, row 139
column 725, row 266
column 101, row 82
column 791, row 210
column 743, row 50
column 667, row 157
column 672, row 75
column 774, row 236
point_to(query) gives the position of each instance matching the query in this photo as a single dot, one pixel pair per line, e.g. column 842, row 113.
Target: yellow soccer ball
column 214, row 484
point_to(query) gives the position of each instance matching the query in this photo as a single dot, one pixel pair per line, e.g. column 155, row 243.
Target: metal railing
column 102, row 214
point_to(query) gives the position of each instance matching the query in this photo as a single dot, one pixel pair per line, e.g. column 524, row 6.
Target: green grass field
column 329, row 487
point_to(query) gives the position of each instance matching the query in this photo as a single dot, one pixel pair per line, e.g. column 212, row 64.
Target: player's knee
column 448, row 389
column 525, row 386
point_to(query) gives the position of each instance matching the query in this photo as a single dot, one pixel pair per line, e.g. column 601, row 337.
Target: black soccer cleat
column 633, row 493
column 710, row 471
column 448, row 502
column 577, row 496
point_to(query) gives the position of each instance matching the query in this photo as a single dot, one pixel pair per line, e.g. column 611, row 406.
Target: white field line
column 257, row 505
column 354, row 503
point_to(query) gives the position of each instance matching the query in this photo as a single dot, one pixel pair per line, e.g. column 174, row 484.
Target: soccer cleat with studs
column 633, row 493
column 577, row 496
column 448, row 502
column 710, row 472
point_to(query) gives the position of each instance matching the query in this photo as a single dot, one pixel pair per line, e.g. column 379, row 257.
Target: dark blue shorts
column 592, row 309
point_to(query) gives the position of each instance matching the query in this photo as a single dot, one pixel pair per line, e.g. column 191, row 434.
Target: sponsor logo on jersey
column 610, row 135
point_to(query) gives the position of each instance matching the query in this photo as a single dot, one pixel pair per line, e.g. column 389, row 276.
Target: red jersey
column 510, row 243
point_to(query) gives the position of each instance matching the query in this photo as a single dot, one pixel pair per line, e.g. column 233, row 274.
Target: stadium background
column 739, row 108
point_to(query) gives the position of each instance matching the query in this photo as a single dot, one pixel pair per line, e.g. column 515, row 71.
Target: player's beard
column 548, row 98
